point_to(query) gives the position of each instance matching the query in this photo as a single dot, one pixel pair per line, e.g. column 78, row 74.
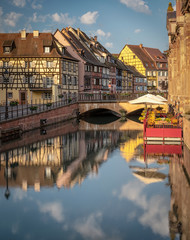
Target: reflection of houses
column 94, row 148
column 179, row 215
column 39, row 163
column 133, row 146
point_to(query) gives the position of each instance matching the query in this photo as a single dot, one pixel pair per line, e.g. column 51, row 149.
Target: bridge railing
column 12, row 112
column 101, row 97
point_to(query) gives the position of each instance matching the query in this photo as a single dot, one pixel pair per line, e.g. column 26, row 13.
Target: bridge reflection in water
column 71, row 152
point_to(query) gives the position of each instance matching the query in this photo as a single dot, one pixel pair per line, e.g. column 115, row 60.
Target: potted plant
column 48, row 104
column 13, row 103
column 60, row 96
column 32, row 108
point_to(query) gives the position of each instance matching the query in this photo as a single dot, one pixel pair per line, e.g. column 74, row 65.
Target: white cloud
column 174, row 7
column 90, row 227
column 89, row 17
column 19, row 3
column 63, row 18
column 109, row 45
column 15, row 228
column 54, row 209
column 137, row 5
column 36, row 6
column 12, row 18
column 38, row 18
column 19, row 194
column 155, row 214
column 137, row 30
column 101, row 33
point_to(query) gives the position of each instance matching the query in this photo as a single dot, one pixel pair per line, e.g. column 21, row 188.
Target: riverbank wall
column 42, row 119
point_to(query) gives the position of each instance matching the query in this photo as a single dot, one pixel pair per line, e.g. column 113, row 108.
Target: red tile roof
column 29, row 47
column 143, row 56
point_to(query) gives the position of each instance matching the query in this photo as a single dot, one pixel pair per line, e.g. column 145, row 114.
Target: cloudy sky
column 115, row 22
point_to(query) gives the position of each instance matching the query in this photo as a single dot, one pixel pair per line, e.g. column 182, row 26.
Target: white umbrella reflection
column 148, row 175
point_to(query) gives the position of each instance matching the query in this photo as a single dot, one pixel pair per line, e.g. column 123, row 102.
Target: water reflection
column 90, row 181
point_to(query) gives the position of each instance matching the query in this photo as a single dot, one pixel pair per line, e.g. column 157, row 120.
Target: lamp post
column 7, row 192
column 6, row 80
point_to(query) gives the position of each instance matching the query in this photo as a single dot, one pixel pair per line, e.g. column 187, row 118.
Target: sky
column 115, row 22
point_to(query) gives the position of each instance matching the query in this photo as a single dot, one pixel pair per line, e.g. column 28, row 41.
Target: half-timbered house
column 32, row 66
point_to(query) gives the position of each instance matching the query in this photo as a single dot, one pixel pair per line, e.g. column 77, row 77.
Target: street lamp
column 7, row 192
column 6, row 80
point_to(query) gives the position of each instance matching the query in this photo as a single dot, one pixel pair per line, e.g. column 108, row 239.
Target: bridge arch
column 116, row 107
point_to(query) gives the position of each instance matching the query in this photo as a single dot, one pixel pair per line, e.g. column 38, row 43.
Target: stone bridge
column 117, row 107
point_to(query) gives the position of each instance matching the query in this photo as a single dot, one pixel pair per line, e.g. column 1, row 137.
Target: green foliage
column 32, row 108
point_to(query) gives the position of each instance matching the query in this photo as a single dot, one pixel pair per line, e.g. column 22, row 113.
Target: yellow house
column 134, row 55
column 31, row 67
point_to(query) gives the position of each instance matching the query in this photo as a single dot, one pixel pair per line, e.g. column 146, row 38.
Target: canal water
column 95, row 182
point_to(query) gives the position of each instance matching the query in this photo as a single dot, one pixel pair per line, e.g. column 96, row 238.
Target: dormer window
column 46, row 49
column 47, row 44
column 63, row 50
column 7, row 46
column 7, row 50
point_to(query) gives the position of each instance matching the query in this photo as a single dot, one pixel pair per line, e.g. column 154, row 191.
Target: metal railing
column 34, row 107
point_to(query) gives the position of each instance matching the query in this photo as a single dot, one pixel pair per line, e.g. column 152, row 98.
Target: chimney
column 141, row 45
column 23, row 34
column 78, row 31
column 95, row 38
column 35, row 33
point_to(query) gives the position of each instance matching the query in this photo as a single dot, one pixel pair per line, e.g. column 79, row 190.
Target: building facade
column 178, row 26
column 31, row 67
column 149, row 62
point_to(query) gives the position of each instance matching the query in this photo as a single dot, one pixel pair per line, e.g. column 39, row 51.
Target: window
column 69, row 66
column 159, row 73
column 134, row 56
column 49, row 64
column 7, row 49
column 154, row 73
column 47, row 49
column 95, row 69
column 49, row 82
column 74, row 81
column 166, row 74
column 96, row 81
column 64, row 82
column 30, row 64
column 47, row 95
column 26, row 64
column 74, row 67
column 64, row 65
column 10, row 95
column 5, row 64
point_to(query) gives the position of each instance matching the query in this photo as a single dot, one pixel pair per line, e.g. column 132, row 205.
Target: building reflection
column 179, row 215
column 65, row 160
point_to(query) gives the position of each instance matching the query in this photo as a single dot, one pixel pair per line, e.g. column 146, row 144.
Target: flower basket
column 33, row 108
column 13, row 103
column 60, row 96
column 48, row 104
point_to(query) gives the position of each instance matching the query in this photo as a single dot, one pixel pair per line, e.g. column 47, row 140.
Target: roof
column 135, row 72
column 156, row 54
column 79, row 47
column 30, row 46
column 140, row 53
